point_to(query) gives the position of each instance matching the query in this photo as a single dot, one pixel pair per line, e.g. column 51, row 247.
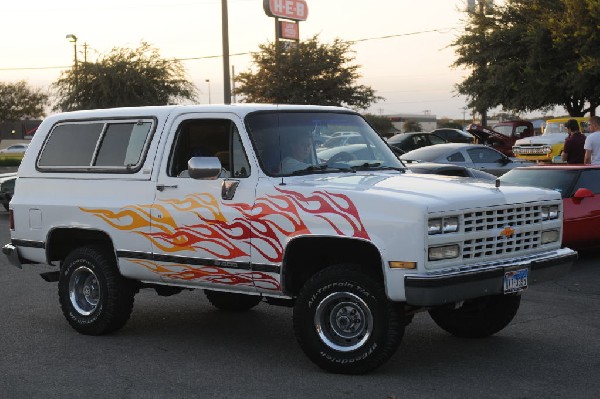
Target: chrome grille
column 529, row 150
column 483, row 231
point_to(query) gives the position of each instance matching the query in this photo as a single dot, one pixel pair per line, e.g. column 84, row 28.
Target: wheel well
column 61, row 241
column 305, row 256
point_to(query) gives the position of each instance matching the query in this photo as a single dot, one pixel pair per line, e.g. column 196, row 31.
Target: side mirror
column 582, row 193
column 204, row 168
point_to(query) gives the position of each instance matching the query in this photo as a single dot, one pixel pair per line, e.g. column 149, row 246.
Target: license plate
column 515, row 281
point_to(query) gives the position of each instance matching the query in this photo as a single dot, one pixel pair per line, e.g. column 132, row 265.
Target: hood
column 485, row 134
column 553, row 138
column 433, row 192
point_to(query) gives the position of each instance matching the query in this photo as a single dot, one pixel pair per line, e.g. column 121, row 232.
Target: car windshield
column 505, row 130
column 555, row 127
column 555, row 179
column 286, row 143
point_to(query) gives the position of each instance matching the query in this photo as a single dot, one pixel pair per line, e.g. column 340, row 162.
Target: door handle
column 161, row 187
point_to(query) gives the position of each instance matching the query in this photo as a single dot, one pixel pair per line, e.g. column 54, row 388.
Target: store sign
column 289, row 30
column 296, row 10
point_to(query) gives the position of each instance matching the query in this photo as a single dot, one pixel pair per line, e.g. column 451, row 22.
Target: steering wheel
column 343, row 156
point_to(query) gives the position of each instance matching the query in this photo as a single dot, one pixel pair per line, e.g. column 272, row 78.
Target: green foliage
column 412, row 126
column 450, row 124
column 382, row 124
column 529, row 56
column 10, row 161
column 123, row 77
column 18, row 100
column 308, row 73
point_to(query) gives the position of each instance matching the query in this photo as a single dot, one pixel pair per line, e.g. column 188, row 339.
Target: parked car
column 7, row 188
column 406, row 142
column 449, row 170
column 454, row 135
column 342, row 140
column 15, row 149
column 475, row 156
column 502, row 136
column 579, row 186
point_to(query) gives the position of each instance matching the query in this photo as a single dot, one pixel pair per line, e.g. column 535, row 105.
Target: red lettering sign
column 289, row 30
column 296, row 10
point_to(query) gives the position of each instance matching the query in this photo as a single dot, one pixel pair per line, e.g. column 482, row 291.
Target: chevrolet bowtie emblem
column 507, row 232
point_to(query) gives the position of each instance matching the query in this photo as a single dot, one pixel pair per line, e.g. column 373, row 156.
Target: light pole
column 73, row 39
column 208, row 81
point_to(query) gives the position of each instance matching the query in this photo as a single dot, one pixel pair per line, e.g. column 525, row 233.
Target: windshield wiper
column 324, row 168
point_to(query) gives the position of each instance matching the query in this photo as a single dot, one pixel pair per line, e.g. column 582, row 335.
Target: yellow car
column 548, row 146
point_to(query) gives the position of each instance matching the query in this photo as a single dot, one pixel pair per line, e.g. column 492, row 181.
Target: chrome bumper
column 449, row 286
column 12, row 254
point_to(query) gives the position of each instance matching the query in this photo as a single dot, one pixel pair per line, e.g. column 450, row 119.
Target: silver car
column 474, row 156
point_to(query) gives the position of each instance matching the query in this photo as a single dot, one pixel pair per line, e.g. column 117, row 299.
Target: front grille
column 518, row 223
column 530, row 151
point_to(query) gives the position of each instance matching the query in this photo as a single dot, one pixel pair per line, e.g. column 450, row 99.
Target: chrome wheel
column 84, row 291
column 343, row 321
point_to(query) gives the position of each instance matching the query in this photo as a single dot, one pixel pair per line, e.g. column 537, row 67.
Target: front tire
column 95, row 299
column 232, row 302
column 479, row 317
column 344, row 322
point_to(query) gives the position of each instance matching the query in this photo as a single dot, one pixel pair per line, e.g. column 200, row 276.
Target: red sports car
column 579, row 186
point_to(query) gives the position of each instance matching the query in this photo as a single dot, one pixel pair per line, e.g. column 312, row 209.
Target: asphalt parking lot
column 181, row 347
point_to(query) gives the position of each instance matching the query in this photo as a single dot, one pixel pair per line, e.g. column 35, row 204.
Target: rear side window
column 102, row 146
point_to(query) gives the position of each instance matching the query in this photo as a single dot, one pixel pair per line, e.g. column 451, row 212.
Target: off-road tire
column 94, row 297
column 477, row 318
column 232, row 302
column 344, row 321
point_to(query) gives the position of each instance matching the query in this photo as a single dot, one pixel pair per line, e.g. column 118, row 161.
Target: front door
column 201, row 235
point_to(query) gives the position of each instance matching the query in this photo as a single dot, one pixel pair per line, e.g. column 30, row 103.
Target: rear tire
column 94, row 297
column 477, row 318
column 344, row 321
column 232, row 302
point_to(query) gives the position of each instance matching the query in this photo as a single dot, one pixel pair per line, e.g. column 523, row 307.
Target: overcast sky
column 402, row 45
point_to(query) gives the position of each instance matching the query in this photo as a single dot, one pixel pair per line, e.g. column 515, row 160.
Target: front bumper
column 457, row 284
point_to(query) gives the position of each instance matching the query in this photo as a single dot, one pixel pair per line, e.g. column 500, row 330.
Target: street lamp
column 73, row 39
column 208, row 81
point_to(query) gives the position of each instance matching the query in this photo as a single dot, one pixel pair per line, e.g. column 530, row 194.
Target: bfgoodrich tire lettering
column 478, row 318
column 344, row 322
column 95, row 299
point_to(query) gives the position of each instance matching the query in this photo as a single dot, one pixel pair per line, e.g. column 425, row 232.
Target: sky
column 403, row 46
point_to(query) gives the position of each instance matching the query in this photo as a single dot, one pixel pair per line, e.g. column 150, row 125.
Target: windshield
column 555, row 179
column 505, row 130
column 555, row 127
column 292, row 143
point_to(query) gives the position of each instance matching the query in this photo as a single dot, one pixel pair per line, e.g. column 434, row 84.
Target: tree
column 382, row 124
column 123, row 77
column 307, row 73
column 18, row 100
column 412, row 126
column 522, row 62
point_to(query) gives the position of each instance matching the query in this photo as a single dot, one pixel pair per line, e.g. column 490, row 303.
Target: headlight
column 547, row 149
column 550, row 212
column 549, row 236
column 442, row 225
column 444, row 252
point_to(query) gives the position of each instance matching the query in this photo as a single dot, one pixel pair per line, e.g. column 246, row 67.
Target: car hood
column 434, row 192
column 486, row 134
column 554, row 138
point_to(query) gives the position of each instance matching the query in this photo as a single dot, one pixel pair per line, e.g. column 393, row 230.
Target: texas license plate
column 515, row 281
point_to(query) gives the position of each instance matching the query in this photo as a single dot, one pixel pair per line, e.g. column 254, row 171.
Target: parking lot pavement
column 181, row 347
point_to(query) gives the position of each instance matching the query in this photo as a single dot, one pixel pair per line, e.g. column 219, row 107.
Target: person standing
column 592, row 142
column 573, row 151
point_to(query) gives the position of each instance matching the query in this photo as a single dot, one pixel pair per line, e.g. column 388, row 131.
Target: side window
column 208, row 138
column 483, row 155
column 433, row 139
column 96, row 146
column 456, row 157
column 589, row 179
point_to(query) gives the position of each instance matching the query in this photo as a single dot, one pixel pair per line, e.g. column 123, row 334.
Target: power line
column 442, row 30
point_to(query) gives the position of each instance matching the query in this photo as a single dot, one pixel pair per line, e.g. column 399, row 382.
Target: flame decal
column 265, row 225
column 210, row 274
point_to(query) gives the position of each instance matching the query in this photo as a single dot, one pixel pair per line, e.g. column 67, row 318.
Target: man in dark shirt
column 573, row 151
